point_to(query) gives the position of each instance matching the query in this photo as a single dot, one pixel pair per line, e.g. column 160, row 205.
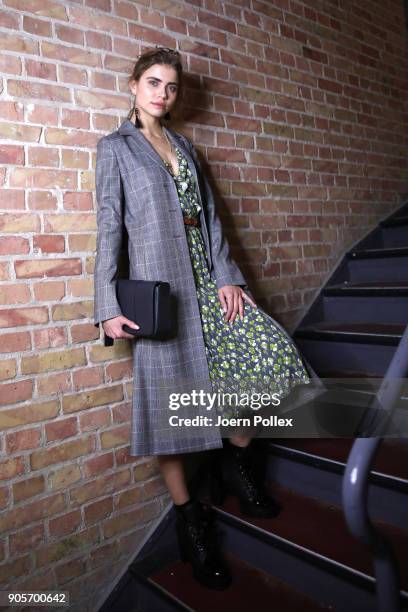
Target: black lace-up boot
column 233, row 473
column 197, row 538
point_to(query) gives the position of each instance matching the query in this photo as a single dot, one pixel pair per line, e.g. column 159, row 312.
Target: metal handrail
column 356, row 481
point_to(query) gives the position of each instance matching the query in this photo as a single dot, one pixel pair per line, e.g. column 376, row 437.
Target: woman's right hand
column 113, row 327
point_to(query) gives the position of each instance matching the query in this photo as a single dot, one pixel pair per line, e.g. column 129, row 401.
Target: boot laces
column 203, row 531
column 248, row 476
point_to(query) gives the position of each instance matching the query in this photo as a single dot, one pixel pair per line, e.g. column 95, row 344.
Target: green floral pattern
column 250, row 354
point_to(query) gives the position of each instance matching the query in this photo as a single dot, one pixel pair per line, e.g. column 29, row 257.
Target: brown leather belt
column 191, row 221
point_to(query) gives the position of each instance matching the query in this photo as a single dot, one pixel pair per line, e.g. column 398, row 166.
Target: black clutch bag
column 150, row 305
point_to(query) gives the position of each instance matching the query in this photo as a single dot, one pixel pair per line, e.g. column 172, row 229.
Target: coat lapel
column 127, row 128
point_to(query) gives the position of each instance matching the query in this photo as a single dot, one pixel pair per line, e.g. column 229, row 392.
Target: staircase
column 305, row 559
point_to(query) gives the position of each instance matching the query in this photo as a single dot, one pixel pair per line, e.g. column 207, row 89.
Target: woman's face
column 156, row 90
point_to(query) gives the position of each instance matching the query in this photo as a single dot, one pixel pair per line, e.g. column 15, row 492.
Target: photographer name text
column 205, row 421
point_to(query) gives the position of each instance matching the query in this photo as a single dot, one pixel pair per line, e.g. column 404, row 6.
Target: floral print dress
column 252, row 354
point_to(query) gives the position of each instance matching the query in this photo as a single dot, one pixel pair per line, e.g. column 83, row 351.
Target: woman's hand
column 231, row 298
column 113, row 327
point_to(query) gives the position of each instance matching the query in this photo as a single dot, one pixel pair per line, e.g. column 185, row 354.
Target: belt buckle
column 191, row 221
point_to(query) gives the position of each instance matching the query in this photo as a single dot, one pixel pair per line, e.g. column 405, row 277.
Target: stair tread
column 320, row 527
column 350, row 374
column 355, row 380
column 402, row 220
column 378, row 252
column 389, row 329
column 391, row 458
column 369, row 284
column 250, row 586
column 369, row 289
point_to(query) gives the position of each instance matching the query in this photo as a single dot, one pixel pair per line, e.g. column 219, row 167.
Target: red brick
column 58, row 430
column 49, row 244
column 65, row 524
column 12, row 154
column 13, row 317
column 12, row 199
column 31, row 268
column 23, row 440
column 97, row 465
column 11, row 393
column 26, row 540
column 14, row 245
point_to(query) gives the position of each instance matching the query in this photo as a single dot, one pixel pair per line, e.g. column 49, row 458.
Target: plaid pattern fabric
column 134, row 186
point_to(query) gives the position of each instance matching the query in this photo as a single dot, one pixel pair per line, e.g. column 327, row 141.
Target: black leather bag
column 150, row 305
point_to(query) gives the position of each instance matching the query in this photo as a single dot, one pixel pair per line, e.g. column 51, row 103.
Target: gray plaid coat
column 134, row 186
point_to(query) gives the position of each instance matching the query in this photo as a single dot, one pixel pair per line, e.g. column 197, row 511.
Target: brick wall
column 300, row 109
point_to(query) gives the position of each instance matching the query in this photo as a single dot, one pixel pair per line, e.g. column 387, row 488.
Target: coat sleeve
column 109, row 197
column 226, row 269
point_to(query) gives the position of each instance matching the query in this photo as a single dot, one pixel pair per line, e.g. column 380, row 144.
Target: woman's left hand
column 231, row 298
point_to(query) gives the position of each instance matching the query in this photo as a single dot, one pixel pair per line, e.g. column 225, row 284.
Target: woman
column 148, row 178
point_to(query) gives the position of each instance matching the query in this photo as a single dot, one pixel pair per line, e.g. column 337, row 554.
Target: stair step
column 391, row 236
column 371, row 333
column 345, row 351
column 356, row 380
column 378, row 269
column 378, row 253
column 319, row 527
column 321, row 477
column 403, row 220
column 335, row 412
column 350, row 374
column 250, row 587
column 390, row 288
column 361, row 306
column 366, row 382
column 391, row 458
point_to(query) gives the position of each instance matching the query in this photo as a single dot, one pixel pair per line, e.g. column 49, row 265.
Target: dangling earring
column 135, row 110
column 138, row 123
column 132, row 110
column 167, row 116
